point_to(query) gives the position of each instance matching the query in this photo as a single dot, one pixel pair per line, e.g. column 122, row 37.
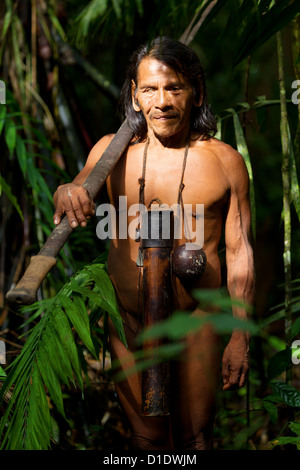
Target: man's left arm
column 240, row 271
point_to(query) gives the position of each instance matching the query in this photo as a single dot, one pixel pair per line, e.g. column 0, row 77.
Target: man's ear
column 135, row 103
column 198, row 100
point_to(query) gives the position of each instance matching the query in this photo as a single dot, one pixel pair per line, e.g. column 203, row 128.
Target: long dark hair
column 183, row 60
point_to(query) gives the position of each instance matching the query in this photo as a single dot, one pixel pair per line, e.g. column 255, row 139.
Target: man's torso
column 205, row 183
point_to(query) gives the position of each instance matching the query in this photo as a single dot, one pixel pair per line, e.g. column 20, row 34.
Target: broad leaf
column 288, row 394
column 278, row 363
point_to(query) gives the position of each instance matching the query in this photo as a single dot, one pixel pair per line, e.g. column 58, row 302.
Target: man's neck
column 176, row 141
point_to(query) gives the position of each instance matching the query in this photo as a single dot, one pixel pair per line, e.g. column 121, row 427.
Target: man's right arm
column 74, row 200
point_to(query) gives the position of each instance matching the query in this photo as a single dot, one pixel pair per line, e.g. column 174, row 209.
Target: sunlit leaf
column 243, row 150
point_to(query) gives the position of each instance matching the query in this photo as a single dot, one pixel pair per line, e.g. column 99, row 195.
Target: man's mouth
column 163, row 117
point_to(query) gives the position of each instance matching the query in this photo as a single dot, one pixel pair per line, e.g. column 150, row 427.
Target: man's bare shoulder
column 98, row 149
column 103, row 143
column 229, row 158
column 225, row 152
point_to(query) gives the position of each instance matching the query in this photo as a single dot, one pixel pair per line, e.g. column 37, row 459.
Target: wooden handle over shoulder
column 26, row 289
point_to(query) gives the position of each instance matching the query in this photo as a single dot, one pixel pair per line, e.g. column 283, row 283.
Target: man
column 164, row 99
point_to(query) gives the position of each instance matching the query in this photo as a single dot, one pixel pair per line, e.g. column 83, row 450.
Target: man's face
column 165, row 98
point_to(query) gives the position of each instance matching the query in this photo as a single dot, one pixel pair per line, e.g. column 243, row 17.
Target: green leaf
column 140, row 8
column 278, row 363
column 50, row 378
column 288, row 394
column 262, row 25
column 63, row 328
column 295, row 427
column 243, row 150
column 56, row 24
column 6, row 22
column 284, row 440
column 5, row 28
column 179, row 324
column 105, row 289
column 118, row 324
column 174, row 328
column 57, row 356
column 117, row 8
column 217, row 298
column 91, row 13
column 78, row 317
column 271, row 409
column 10, row 134
column 2, row 117
column 295, row 328
column 49, row 358
column 295, row 191
column 7, row 190
column 21, row 153
column 39, row 423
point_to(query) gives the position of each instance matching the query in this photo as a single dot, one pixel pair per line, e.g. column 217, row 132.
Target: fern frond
column 49, row 357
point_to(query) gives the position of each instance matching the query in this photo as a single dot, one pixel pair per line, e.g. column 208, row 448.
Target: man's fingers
column 230, row 376
column 233, row 379
column 243, row 377
column 74, row 201
column 82, row 208
column 57, row 215
column 87, row 206
column 225, row 374
column 71, row 214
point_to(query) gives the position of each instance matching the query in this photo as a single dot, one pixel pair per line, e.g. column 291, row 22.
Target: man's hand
column 235, row 362
column 73, row 200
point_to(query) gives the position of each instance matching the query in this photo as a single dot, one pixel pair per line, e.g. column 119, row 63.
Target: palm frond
column 49, row 357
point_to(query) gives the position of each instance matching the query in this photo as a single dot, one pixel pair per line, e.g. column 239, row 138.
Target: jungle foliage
column 63, row 64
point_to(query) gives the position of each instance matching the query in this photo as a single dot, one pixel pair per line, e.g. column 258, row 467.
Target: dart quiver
column 156, row 245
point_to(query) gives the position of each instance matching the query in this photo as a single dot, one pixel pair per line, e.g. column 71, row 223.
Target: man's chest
column 203, row 181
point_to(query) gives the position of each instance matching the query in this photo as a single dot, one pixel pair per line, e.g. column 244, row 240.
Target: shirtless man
column 165, row 102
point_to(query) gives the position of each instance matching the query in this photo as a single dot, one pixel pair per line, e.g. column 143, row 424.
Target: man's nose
column 162, row 99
